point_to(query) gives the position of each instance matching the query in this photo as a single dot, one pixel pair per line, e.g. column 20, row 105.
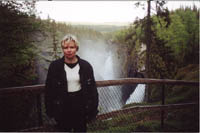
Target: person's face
column 69, row 49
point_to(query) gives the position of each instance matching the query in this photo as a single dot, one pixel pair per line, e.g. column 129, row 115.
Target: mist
column 101, row 56
column 106, row 64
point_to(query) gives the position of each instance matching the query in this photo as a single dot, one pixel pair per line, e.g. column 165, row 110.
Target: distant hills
column 100, row 23
column 101, row 27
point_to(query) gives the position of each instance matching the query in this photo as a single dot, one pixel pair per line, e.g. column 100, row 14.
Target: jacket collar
column 63, row 58
column 79, row 61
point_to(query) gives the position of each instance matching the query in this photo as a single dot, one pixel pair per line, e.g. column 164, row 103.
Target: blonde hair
column 68, row 38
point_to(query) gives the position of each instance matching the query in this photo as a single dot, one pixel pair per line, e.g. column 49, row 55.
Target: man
column 71, row 95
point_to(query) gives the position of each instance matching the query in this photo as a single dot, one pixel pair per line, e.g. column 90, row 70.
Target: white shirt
column 73, row 78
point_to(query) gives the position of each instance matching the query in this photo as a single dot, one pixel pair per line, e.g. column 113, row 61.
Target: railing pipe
column 40, row 88
column 144, row 81
column 162, row 110
column 39, row 109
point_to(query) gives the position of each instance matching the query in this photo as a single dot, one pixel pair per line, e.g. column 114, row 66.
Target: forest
column 164, row 45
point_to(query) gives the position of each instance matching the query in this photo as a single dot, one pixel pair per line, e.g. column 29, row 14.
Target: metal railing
column 43, row 122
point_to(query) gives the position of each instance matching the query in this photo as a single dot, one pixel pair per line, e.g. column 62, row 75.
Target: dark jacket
column 56, row 87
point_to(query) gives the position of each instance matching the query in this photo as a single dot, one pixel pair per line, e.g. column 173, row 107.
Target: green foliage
column 177, row 94
column 16, row 50
column 174, row 44
column 174, row 41
column 17, row 57
column 172, row 51
column 189, row 72
column 182, row 35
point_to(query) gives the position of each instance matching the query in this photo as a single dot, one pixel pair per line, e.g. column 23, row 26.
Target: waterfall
column 108, row 69
column 111, row 96
column 138, row 95
column 103, row 59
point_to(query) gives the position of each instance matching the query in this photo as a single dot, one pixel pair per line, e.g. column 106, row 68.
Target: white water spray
column 108, row 68
column 138, row 95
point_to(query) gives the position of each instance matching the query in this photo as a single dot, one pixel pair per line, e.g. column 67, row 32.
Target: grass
column 182, row 120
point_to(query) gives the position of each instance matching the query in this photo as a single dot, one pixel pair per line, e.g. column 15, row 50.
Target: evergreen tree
column 17, row 67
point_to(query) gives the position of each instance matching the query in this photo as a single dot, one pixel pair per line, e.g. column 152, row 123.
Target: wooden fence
column 39, row 89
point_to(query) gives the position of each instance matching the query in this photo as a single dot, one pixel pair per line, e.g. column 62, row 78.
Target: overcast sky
column 98, row 11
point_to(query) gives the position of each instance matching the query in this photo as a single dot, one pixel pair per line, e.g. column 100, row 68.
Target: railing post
column 162, row 110
column 39, row 109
